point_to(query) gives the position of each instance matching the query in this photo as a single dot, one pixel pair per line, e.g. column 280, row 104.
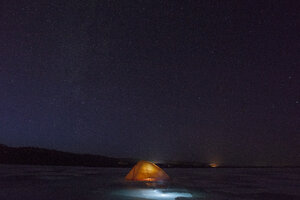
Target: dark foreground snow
column 80, row 183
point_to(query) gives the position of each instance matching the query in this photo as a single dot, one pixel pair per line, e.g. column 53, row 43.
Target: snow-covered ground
column 80, row 183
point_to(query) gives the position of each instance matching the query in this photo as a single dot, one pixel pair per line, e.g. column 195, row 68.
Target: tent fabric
column 146, row 171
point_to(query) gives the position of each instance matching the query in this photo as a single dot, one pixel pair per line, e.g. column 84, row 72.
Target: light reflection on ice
column 73, row 183
column 153, row 194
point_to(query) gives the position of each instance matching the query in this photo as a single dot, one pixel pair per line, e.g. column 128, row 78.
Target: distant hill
column 40, row 156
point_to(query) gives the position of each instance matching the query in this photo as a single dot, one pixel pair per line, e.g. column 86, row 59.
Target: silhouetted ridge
column 40, row 156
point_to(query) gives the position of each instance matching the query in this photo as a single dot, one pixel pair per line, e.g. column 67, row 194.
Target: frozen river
column 81, row 183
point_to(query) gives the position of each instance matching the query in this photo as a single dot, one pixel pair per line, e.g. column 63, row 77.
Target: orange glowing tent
column 146, row 171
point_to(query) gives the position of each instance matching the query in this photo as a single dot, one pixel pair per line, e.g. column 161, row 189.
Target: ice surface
column 80, row 183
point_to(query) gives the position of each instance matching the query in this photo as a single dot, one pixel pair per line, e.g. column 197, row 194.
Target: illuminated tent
column 146, row 171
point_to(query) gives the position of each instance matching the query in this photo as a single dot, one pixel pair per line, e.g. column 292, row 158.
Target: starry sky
column 206, row 81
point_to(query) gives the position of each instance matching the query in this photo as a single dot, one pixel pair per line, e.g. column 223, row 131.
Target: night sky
column 207, row 81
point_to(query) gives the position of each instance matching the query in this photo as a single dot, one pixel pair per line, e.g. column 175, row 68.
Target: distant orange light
column 213, row 165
